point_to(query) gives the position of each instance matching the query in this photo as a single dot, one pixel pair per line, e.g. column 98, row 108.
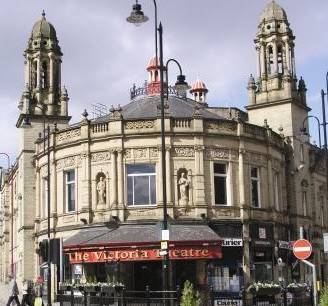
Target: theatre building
column 236, row 196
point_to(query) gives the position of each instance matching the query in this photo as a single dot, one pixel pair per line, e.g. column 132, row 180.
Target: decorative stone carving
column 140, row 153
column 100, row 156
column 101, row 189
column 127, row 153
column 218, row 153
column 71, row 161
column 153, row 152
column 221, row 125
column 256, row 158
column 68, row 135
column 137, row 125
column 184, row 152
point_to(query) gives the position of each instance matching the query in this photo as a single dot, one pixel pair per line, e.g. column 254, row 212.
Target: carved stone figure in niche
column 101, row 190
column 183, row 188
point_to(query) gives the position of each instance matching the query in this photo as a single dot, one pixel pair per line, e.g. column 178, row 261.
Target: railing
column 157, row 298
column 182, row 123
column 99, row 127
column 143, row 91
column 254, row 130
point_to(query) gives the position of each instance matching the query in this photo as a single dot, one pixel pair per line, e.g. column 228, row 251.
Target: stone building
column 240, row 184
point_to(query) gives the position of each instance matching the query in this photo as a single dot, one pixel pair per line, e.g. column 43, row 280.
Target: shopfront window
column 224, row 278
column 255, row 187
column 220, row 184
column 70, row 190
column 263, row 264
column 141, row 184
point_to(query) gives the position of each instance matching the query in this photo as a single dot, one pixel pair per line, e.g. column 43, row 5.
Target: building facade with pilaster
column 240, row 184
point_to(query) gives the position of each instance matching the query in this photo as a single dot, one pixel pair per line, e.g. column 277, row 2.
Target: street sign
column 325, row 242
column 302, row 249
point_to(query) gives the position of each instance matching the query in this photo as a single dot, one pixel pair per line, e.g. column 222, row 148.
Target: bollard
column 148, row 295
column 72, row 296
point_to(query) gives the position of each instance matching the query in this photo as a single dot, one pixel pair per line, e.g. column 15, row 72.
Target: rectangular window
column 44, row 208
column 276, row 191
column 70, row 190
column 141, row 184
column 220, row 184
column 255, row 187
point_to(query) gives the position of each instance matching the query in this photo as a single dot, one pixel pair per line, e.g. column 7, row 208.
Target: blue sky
column 104, row 55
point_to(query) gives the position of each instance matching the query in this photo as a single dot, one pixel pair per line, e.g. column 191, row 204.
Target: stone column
column 159, row 180
column 241, row 177
column 258, row 56
column 120, row 184
column 51, row 70
column 38, row 72
column 262, row 59
column 113, row 186
column 53, row 183
column 270, row 184
column 38, row 194
column 199, row 185
column 168, row 175
column 107, row 192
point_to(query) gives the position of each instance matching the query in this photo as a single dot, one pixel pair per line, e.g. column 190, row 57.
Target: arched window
column 44, row 75
column 34, row 74
column 270, row 60
column 156, row 76
column 280, row 59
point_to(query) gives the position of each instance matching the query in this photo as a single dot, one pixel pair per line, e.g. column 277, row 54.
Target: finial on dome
column 43, row 14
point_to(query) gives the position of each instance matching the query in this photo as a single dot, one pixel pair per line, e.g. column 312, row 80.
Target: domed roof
column 152, row 63
column 198, row 86
column 273, row 11
column 43, row 28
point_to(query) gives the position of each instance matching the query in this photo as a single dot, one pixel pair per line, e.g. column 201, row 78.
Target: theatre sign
column 143, row 254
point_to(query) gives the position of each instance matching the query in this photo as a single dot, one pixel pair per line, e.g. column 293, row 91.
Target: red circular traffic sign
column 302, row 249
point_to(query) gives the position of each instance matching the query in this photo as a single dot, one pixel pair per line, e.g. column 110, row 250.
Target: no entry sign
column 302, row 249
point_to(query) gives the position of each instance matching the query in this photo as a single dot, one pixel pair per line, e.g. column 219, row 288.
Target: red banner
column 143, row 254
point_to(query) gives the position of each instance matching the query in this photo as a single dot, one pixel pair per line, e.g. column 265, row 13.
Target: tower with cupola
column 275, row 93
column 43, row 103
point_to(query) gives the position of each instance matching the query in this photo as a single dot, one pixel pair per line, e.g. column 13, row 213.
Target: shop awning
column 142, row 242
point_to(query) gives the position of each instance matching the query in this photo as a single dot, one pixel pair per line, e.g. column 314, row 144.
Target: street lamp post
column 137, row 17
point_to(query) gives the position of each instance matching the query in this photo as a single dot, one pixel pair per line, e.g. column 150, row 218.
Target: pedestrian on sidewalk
column 14, row 291
column 26, row 291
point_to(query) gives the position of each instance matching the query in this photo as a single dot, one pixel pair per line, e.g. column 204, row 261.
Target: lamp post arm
column 8, row 158
column 173, row 60
column 319, row 124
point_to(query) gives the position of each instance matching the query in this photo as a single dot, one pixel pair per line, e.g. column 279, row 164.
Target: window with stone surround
column 255, row 187
column 70, row 203
column 141, row 184
column 220, row 183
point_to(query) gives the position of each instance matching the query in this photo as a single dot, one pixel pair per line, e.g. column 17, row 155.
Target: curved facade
column 240, row 186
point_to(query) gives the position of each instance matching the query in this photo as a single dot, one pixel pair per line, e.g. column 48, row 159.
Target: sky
column 104, row 55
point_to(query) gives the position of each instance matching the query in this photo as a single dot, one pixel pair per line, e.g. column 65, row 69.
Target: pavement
column 4, row 294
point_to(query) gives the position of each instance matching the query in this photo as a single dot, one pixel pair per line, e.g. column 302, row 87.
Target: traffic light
column 55, row 251
column 43, row 249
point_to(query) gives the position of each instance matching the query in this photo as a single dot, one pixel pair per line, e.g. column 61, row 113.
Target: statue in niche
column 101, row 190
column 183, row 188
